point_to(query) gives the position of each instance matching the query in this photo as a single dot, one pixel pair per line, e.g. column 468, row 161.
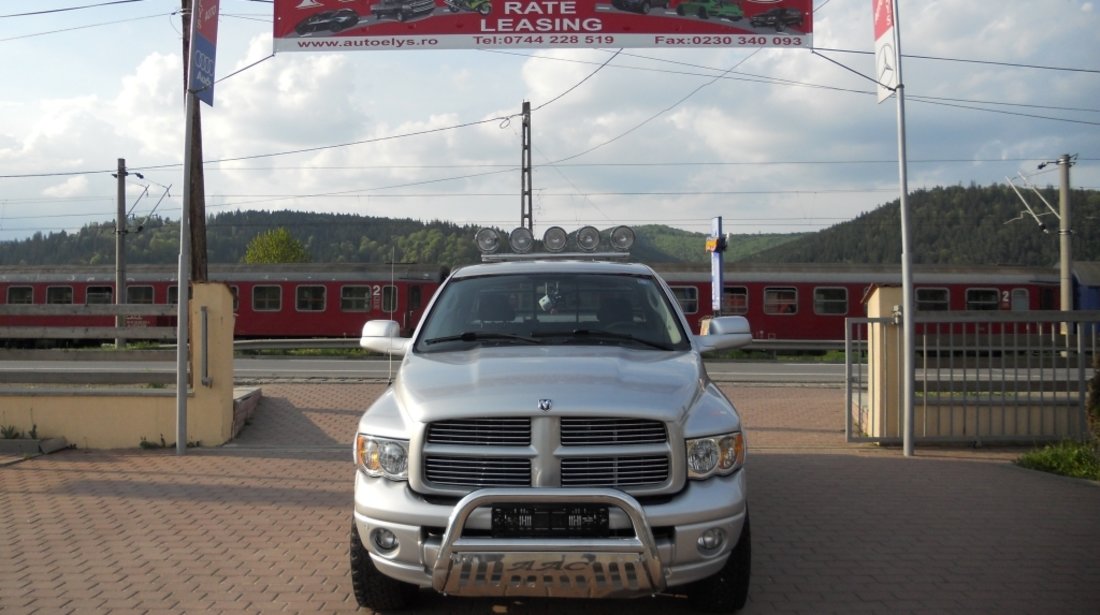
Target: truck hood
column 574, row 380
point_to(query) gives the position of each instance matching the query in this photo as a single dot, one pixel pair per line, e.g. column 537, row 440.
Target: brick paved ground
column 260, row 526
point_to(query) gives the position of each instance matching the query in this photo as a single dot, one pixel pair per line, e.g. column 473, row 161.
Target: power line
column 70, row 8
column 971, row 61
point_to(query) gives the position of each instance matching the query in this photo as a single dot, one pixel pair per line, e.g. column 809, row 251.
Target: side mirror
column 725, row 332
column 384, row 336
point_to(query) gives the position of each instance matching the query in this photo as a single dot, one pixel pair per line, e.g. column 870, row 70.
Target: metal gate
column 979, row 377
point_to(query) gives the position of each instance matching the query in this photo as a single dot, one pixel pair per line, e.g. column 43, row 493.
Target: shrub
column 1075, row 459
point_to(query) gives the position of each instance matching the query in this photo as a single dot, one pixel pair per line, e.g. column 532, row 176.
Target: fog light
column 712, row 539
column 384, row 539
column 488, row 240
column 588, row 238
column 622, row 237
column 521, row 240
column 554, row 239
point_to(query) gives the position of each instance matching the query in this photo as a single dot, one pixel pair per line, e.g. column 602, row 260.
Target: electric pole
column 120, row 250
column 1064, row 234
column 526, row 217
column 197, row 213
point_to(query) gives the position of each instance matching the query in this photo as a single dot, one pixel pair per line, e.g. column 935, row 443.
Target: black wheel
column 485, row 9
column 702, row 13
column 645, row 8
column 374, row 590
column 680, row 10
column 728, row 589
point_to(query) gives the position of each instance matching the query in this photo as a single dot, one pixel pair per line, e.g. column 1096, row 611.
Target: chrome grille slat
column 481, row 432
column 611, row 431
column 614, row 471
column 478, row 471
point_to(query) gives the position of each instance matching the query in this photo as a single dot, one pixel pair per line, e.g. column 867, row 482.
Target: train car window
column 236, row 292
column 781, row 301
column 355, row 299
column 173, row 295
column 20, row 294
column 831, row 300
column 982, row 299
column 267, row 298
column 310, row 298
column 389, row 298
column 735, row 300
column 1021, row 300
column 59, row 295
column 932, row 299
column 687, row 297
column 139, row 294
column 99, row 295
column 414, row 297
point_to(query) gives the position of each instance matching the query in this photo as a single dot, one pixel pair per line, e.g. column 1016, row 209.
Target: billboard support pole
column 907, row 309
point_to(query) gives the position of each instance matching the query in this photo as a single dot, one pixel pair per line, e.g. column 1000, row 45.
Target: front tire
column 374, row 590
column 728, row 589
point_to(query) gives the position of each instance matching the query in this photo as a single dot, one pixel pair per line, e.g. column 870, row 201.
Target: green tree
column 275, row 246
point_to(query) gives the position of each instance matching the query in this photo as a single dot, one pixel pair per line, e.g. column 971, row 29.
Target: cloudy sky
column 772, row 140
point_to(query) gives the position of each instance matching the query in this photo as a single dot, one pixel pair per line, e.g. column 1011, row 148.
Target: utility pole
column 120, row 250
column 197, row 212
column 526, row 217
column 1064, row 234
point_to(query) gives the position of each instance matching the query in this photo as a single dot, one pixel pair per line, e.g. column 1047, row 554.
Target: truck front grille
column 499, row 452
column 481, row 432
column 590, row 431
column 478, row 471
column 613, row 471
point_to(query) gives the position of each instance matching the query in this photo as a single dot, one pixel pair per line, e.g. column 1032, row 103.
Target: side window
column 982, row 299
column 267, row 298
column 355, row 299
column 781, row 301
column 59, row 295
column 99, row 295
column 687, row 297
column 310, row 298
column 832, row 301
column 21, row 294
column 932, row 299
column 173, row 295
column 139, row 294
column 735, row 300
column 389, row 299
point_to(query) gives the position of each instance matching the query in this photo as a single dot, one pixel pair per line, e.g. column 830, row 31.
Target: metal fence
column 979, row 377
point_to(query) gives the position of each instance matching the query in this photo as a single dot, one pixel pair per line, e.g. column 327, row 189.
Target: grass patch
column 1074, row 459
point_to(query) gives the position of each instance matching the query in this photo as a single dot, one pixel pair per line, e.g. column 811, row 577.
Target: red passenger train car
column 811, row 301
column 269, row 301
column 781, row 302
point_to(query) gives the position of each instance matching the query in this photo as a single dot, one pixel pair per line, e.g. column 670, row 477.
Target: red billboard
column 339, row 25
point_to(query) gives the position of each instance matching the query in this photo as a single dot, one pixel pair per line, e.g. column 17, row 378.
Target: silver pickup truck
column 551, row 431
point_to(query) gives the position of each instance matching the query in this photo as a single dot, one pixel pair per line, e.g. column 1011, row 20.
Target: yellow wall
column 107, row 417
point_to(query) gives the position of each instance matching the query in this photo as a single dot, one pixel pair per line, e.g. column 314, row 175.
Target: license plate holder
column 550, row 521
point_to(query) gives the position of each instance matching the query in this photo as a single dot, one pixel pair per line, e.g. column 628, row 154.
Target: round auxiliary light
column 622, row 237
column 554, row 239
column 588, row 238
column 488, row 240
column 521, row 240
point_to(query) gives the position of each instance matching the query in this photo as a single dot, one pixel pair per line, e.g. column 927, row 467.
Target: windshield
column 552, row 308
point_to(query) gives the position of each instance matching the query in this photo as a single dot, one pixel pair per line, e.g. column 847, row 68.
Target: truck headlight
column 723, row 454
column 382, row 457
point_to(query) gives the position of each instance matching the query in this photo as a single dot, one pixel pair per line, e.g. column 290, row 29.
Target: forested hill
column 331, row 238
column 955, row 225
column 952, row 225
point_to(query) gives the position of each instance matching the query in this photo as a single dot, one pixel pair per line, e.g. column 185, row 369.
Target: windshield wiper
column 478, row 336
column 606, row 335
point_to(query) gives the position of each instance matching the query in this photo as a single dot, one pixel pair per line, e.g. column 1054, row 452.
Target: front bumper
column 655, row 546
